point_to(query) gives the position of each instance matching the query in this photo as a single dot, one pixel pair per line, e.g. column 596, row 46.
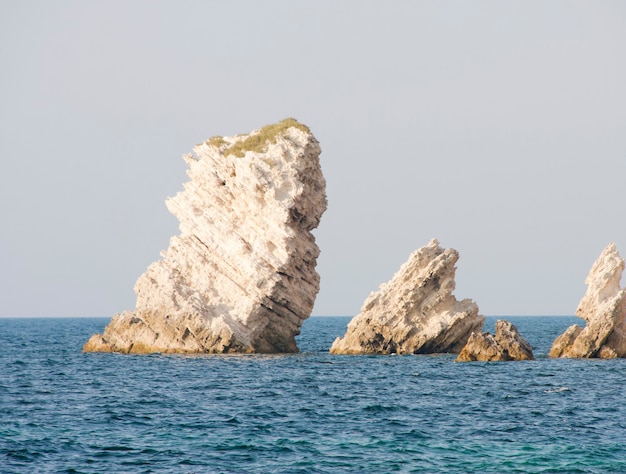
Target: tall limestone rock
column 415, row 312
column 241, row 275
column 603, row 307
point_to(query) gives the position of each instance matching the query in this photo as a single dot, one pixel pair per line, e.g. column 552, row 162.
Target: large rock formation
column 241, row 275
column 603, row 307
column 507, row 344
column 415, row 312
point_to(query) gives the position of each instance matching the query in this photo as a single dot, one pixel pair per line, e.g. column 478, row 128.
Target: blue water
column 65, row 411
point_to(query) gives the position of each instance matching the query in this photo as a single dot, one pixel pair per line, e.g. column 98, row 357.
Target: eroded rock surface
column 241, row 275
column 415, row 312
column 603, row 307
column 506, row 345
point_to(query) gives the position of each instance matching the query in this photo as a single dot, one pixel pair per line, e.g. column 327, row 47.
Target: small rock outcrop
column 603, row 307
column 507, row 344
column 241, row 275
column 415, row 312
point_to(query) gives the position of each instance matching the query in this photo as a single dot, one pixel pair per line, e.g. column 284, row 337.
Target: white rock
column 415, row 312
column 603, row 307
column 241, row 275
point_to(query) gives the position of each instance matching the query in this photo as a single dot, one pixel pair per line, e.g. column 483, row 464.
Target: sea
column 63, row 411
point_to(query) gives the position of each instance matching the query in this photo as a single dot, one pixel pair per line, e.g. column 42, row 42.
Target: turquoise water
column 65, row 411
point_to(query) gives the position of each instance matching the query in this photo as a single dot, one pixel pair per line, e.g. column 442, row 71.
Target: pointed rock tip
column 611, row 256
column 610, row 248
column 434, row 242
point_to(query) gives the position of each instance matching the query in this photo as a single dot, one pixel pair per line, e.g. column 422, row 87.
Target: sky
column 497, row 127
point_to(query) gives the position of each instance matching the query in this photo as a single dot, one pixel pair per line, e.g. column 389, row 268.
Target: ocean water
column 65, row 411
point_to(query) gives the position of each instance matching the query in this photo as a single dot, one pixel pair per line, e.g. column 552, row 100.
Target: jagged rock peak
column 415, row 312
column 241, row 275
column 507, row 345
column 603, row 307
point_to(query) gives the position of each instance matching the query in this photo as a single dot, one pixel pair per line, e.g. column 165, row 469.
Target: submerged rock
column 415, row 312
column 507, row 344
column 603, row 307
column 241, row 275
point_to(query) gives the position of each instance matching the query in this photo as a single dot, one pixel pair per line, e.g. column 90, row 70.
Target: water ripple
column 64, row 411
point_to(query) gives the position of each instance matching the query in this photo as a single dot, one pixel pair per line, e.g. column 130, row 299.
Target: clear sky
column 498, row 127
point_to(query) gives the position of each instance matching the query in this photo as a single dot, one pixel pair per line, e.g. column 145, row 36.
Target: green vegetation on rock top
column 258, row 141
column 216, row 141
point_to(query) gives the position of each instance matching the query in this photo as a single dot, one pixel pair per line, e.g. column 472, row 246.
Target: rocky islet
column 241, row 275
column 415, row 312
column 603, row 307
column 506, row 345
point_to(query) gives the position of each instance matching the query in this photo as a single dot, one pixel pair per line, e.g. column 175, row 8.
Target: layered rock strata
column 603, row 307
column 506, row 345
column 241, row 275
column 415, row 312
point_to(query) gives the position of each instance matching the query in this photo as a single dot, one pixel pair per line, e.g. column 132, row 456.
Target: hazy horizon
column 498, row 128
